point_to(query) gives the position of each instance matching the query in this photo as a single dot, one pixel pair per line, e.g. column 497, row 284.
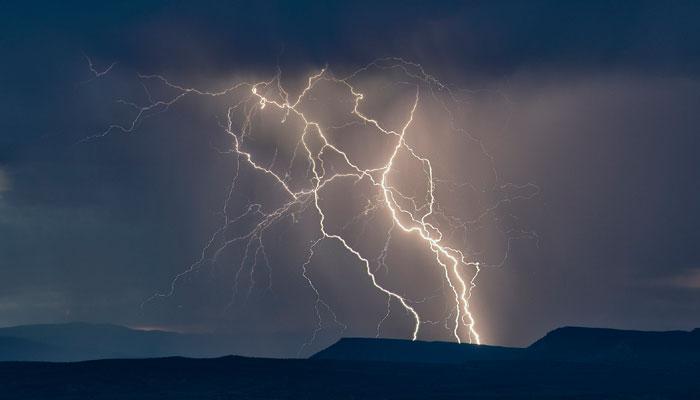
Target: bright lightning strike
column 418, row 218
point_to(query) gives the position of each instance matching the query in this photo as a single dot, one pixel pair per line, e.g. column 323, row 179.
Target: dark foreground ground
column 249, row 378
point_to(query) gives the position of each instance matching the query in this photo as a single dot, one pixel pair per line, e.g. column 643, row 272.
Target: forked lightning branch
column 418, row 217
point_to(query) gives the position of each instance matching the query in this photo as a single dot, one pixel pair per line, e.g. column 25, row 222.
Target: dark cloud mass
column 595, row 102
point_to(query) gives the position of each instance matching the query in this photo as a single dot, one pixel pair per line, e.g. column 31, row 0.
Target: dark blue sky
column 602, row 113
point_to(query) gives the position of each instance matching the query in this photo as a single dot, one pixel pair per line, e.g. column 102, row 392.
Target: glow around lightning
column 420, row 218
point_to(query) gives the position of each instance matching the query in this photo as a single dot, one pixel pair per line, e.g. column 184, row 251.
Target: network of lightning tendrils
column 417, row 220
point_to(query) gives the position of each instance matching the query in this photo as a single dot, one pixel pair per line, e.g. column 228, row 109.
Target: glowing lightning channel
column 415, row 221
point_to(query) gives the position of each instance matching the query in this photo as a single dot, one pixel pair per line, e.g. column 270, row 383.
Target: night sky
column 596, row 103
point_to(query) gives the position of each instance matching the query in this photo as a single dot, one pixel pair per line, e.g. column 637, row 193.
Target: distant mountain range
column 82, row 341
column 79, row 341
column 571, row 363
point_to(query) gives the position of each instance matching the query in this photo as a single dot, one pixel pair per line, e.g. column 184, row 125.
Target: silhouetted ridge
column 563, row 344
column 82, row 341
column 397, row 350
column 597, row 344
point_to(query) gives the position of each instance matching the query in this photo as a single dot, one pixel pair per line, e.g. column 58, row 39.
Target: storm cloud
column 595, row 103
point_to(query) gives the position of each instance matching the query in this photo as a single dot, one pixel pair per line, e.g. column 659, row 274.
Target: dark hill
column 396, row 350
column 572, row 363
column 564, row 344
column 80, row 341
column 596, row 344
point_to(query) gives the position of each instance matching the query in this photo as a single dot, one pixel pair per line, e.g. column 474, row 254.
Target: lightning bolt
column 410, row 215
column 96, row 74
